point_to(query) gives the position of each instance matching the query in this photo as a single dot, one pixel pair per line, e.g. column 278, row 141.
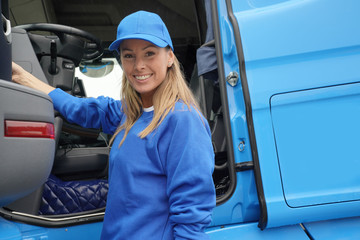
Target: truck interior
column 54, row 39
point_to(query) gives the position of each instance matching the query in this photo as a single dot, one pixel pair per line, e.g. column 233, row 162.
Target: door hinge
column 232, row 78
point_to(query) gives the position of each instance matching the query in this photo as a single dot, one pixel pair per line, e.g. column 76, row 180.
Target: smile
column 142, row 77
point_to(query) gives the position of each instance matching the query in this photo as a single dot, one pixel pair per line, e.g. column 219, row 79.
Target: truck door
column 298, row 63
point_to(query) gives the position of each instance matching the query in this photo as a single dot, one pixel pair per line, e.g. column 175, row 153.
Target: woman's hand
column 22, row 77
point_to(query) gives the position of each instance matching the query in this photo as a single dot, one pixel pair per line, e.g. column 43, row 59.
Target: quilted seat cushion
column 61, row 197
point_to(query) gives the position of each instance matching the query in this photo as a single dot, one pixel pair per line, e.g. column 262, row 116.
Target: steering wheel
column 92, row 49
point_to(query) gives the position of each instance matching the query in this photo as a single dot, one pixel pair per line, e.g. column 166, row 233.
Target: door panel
column 315, row 133
column 26, row 162
column 300, row 68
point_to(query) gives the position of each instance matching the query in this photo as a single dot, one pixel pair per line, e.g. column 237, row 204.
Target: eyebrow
column 148, row 46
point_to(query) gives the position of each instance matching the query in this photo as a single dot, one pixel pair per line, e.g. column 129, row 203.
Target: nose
column 139, row 63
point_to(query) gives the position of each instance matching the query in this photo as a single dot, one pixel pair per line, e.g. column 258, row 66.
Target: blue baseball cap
column 142, row 25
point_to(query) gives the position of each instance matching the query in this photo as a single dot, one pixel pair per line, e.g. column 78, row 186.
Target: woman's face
column 145, row 66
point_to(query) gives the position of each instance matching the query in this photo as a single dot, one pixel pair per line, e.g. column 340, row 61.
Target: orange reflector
column 29, row 129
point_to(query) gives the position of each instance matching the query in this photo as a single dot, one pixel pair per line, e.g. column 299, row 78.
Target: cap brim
column 154, row 40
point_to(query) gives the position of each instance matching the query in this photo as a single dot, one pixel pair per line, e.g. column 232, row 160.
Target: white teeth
column 142, row 77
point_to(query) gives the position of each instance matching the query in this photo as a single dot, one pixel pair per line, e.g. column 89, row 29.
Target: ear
column 171, row 57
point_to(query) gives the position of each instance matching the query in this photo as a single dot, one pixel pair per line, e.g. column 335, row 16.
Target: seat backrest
column 24, row 55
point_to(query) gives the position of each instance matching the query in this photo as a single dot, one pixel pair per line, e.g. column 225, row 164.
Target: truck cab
column 278, row 82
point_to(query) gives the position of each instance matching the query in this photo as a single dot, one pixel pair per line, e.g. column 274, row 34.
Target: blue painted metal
column 295, row 46
column 9, row 230
column 251, row 231
column 243, row 206
column 314, row 162
column 17, row 231
column 344, row 229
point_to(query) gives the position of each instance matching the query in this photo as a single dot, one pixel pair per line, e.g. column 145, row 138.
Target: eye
column 149, row 53
column 127, row 55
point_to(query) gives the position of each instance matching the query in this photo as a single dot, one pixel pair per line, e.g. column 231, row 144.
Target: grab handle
column 7, row 28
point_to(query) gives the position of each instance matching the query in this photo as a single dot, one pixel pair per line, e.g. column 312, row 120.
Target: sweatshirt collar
column 148, row 109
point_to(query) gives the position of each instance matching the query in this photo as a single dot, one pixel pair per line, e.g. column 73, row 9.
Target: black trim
column 260, row 191
column 56, row 221
column 306, row 231
column 225, row 105
column 199, row 11
column 244, row 166
column 5, row 8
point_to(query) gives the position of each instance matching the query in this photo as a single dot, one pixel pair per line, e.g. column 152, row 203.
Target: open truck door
column 297, row 63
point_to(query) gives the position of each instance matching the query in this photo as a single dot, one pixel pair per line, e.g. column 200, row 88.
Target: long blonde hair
column 170, row 91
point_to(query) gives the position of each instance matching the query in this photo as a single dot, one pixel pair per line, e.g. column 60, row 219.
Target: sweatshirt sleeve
column 189, row 166
column 101, row 112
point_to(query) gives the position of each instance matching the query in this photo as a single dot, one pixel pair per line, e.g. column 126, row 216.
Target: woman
column 161, row 161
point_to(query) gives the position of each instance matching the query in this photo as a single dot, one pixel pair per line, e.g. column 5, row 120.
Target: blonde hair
column 170, row 91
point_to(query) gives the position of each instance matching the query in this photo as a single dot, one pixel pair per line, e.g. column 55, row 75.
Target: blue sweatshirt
column 160, row 187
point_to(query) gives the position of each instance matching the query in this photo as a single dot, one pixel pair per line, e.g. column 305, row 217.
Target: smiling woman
column 151, row 108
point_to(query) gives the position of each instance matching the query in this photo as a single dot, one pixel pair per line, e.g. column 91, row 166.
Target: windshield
column 101, row 17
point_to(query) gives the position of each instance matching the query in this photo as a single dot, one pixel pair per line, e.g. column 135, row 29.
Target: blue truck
column 278, row 81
